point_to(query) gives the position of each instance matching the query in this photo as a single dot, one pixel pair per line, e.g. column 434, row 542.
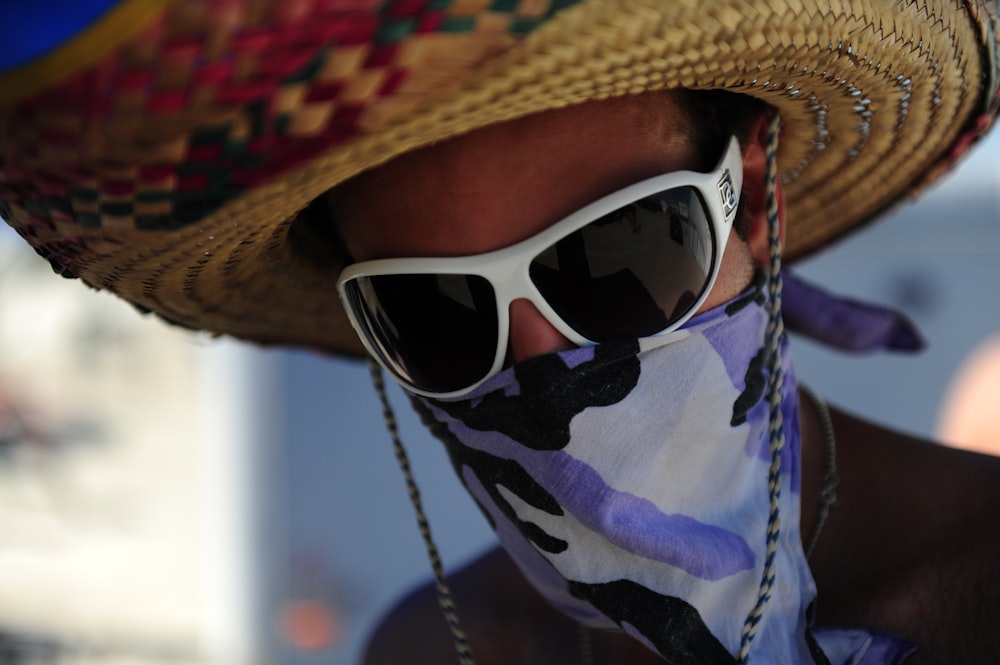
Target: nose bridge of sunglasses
column 508, row 271
column 533, row 334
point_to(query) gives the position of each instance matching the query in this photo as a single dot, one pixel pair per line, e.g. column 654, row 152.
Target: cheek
column 735, row 274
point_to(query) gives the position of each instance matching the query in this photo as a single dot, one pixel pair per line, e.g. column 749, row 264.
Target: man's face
column 496, row 186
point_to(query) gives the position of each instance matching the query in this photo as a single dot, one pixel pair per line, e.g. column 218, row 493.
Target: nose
column 531, row 334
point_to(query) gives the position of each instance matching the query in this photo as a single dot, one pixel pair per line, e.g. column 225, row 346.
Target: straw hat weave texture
column 170, row 170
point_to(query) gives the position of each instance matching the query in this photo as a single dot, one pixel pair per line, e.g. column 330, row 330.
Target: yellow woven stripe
column 83, row 50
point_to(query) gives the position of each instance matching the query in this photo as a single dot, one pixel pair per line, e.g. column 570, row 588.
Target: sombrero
column 163, row 149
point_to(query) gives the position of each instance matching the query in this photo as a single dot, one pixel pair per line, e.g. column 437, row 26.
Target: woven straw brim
column 874, row 96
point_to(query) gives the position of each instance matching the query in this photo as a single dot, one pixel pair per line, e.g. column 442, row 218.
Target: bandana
column 628, row 481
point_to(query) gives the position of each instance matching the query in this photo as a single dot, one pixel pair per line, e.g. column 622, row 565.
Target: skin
column 911, row 547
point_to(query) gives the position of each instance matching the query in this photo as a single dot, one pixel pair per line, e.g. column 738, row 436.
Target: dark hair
column 315, row 238
column 714, row 116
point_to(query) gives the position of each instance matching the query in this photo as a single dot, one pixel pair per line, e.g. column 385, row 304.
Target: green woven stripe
column 458, row 24
column 153, row 196
column 505, row 6
column 234, row 148
column 394, row 30
column 194, row 168
column 58, row 203
column 158, row 223
column 117, row 208
column 281, row 123
column 522, row 25
column 36, row 208
column 83, row 195
column 559, row 5
column 209, row 135
column 88, row 219
column 310, row 69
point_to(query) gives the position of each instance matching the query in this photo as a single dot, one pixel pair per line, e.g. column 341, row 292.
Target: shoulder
column 912, row 547
column 505, row 620
column 413, row 621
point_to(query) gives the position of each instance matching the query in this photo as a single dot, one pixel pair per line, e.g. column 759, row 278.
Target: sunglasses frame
column 507, row 269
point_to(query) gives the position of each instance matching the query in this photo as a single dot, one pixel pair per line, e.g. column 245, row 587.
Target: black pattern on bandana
column 494, row 472
column 552, row 394
column 755, row 383
column 672, row 625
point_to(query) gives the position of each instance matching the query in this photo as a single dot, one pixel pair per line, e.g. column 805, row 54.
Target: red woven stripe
column 429, row 22
column 154, row 173
column 260, row 145
column 347, row 116
column 67, row 173
column 353, row 29
column 354, row 5
column 58, row 138
column 381, row 56
column 133, row 79
column 167, row 102
column 117, row 187
column 61, row 217
column 51, row 186
column 203, row 153
column 404, row 8
column 297, row 152
column 392, row 80
column 214, row 72
column 286, row 64
column 290, row 11
column 181, row 50
column 193, row 181
column 322, row 92
column 40, row 222
column 252, row 39
column 18, row 171
column 244, row 92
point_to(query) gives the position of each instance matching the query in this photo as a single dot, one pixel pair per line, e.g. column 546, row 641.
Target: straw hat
column 162, row 149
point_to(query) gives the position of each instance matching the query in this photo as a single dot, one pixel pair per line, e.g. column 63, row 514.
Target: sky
column 981, row 168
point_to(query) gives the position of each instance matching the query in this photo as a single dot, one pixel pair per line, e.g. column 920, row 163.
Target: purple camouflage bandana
column 629, row 482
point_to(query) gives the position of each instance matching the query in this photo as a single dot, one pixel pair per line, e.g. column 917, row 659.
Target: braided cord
column 445, row 601
column 828, row 489
column 775, row 330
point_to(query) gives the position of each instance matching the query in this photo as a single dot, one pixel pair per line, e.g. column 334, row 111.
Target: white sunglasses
column 636, row 263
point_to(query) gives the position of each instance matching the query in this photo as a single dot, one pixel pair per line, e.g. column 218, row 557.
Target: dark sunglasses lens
column 435, row 332
column 633, row 272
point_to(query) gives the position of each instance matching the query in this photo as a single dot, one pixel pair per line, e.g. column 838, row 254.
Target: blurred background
column 166, row 497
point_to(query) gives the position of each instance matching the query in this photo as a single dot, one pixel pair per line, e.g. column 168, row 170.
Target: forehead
column 501, row 184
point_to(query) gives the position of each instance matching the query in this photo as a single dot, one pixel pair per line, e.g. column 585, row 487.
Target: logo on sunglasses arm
column 728, row 194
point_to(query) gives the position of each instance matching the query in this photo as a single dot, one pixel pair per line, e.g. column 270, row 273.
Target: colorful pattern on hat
column 268, row 92
column 170, row 170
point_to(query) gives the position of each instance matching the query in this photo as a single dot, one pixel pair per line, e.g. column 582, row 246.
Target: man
column 574, row 268
column 888, row 564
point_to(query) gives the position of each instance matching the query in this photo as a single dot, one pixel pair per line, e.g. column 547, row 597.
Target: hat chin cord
column 773, row 336
column 776, row 377
column 444, row 597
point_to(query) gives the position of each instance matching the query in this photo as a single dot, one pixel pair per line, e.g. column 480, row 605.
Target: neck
column 814, row 462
